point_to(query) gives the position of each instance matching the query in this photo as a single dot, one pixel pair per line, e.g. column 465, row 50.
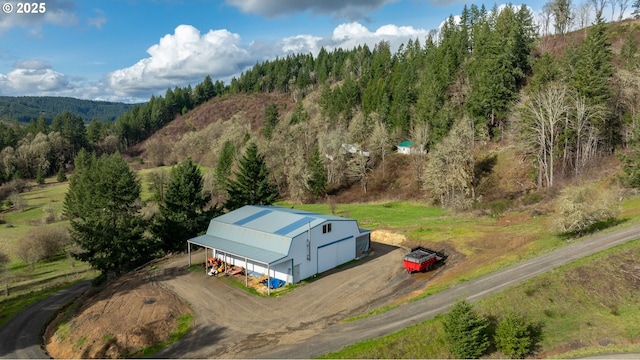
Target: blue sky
column 128, row 50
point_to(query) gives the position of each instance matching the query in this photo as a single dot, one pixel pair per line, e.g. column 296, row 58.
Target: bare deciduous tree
column 613, row 4
column 586, row 134
column 42, row 243
column 449, row 171
column 158, row 151
column 420, row 136
column 584, row 15
column 629, row 96
column 624, row 4
column 599, row 5
column 358, row 169
column 542, row 114
column 379, row 142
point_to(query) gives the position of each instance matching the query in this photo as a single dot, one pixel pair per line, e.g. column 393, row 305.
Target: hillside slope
column 26, row 108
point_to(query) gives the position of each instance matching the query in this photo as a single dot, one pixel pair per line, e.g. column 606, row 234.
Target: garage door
column 336, row 253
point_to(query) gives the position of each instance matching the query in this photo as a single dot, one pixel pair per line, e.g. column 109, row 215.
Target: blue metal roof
column 262, row 233
column 252, row 217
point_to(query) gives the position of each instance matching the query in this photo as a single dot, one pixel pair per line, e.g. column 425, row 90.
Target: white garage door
column 334, row 254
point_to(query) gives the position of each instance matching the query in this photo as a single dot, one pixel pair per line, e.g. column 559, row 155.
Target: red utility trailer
column 422, row 259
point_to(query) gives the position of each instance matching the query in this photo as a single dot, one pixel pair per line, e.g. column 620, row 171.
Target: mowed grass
column 381, row 215
column 27, row 286
column 588, row 307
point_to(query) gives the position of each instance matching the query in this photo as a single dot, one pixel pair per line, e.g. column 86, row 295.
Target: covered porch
column 252, row 259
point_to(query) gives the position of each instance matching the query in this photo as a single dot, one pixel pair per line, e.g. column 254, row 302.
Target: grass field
column 26, row 286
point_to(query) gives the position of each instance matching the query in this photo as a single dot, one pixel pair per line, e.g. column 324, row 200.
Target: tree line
column 111, row 232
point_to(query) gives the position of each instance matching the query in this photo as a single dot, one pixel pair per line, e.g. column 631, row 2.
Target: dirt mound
column 132, row 313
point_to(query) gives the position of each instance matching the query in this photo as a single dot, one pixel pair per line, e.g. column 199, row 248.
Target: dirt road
column 306, row 323
column 20, row 337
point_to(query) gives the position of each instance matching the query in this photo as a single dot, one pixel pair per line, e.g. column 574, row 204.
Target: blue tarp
column 275, row 283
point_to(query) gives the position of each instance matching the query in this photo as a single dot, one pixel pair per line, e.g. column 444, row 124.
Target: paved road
column 340, row 335
column 21, row 337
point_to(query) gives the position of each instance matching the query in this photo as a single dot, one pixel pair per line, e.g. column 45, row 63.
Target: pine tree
column 251, row 184
column 514, row 337
column 271, row 119
column 183, row 213
column 466, row 331
column 225, row 162
column 103, row 204
column 318, row 175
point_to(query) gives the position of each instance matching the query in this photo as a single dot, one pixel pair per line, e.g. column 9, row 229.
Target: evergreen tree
column 629, row 51
column 225, row 162
column 183, row 213
column 251, row 184
column 591, row 76
column 271, row 119
column 466, row 331
column 514, row 337
column 61, row 176
column 103, row 204
column 318, row 175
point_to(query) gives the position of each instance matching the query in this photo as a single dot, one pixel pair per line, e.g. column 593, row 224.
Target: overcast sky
column 128, row 50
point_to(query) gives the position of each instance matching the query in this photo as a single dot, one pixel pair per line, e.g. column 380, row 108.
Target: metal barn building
column 283, row 243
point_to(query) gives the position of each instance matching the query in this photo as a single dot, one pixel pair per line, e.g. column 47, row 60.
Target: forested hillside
column 28, row 108
column 481, row 91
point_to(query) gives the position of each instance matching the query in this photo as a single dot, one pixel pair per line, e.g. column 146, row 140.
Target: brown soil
column 141, row 308
column 132, row 313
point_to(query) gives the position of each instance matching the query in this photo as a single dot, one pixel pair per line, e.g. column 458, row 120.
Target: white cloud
column 33, row 77
column 348, row 36
column 301, row 44
column 185, row 56
column 349, row 9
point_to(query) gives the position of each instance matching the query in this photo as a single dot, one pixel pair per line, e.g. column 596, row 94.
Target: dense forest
column 487, row 77
column 28, row 108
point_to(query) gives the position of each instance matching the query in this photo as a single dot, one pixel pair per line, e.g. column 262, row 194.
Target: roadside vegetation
column 585, row 308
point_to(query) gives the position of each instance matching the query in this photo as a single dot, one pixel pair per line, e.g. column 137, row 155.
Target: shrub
column 18, row 202
column 42, row 243
column 48, row 215
column 581, row 207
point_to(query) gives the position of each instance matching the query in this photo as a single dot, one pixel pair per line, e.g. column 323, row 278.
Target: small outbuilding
column 408, row 147
column 283, row 243
column 405, row 147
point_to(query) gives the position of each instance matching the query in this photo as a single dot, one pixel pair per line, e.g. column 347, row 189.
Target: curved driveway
column 21, row 337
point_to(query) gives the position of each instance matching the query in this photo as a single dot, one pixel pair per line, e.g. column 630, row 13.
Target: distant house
column 405, row 147
column 408, row 147
column 353, row 149
column 282, row 243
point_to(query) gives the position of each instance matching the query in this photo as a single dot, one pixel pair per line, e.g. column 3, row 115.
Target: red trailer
column 422, row 259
